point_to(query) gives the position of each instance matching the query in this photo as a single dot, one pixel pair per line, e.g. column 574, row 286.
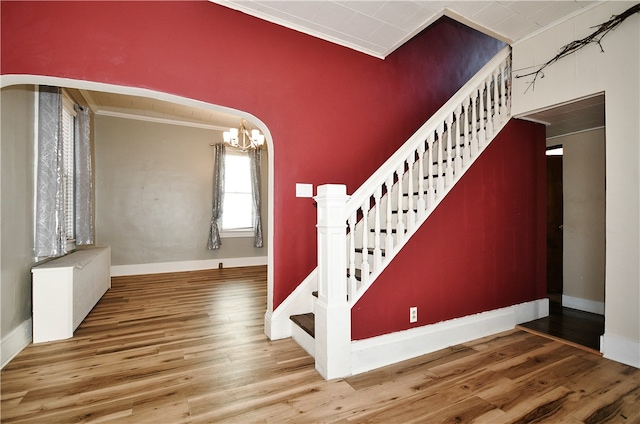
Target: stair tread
column 306, row 322
column 416, row 193
column 404, row 211
column 384, row 230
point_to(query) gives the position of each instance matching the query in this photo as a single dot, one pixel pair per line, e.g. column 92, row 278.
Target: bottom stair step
column 306, row 322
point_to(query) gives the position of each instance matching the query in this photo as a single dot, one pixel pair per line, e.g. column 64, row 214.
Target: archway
column 11, row 80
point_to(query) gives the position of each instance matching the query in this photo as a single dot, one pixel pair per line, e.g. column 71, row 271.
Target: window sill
column 236, row 233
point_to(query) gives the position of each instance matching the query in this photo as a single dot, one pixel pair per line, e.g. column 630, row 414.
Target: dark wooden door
column 554, row 224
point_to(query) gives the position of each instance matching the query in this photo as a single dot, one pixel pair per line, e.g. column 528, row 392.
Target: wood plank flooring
column 571, row 325
column 190, row 348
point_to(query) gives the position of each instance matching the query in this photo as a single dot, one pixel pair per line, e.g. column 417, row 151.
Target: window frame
column 69, row 170
column 243, row 231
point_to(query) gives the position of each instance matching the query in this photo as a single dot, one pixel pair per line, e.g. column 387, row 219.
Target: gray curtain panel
column 254, row 158
column 214, row 241
column 50, row 237
column 83, row 178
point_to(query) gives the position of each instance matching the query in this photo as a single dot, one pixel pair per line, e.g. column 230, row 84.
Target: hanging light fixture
column 240, row 137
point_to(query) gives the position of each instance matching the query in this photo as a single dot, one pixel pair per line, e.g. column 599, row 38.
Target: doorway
column 575, row 240
column 554, row 224
column 575, row 133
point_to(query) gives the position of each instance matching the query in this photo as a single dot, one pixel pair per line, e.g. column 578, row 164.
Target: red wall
column 483, row 248
column 334, row 114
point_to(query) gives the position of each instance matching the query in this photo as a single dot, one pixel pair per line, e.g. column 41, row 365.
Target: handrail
column 439, row 152
column 390, row 165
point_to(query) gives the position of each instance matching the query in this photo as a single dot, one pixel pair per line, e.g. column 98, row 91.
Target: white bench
column 66, row 289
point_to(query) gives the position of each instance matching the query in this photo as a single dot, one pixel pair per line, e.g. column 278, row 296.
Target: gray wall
column 583, row 175
column 17, row 206
column 153, row 193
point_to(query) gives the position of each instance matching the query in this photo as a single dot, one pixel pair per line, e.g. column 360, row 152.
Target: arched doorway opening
column 221, row 118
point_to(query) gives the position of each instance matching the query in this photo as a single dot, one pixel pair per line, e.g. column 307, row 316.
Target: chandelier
column 240, row 138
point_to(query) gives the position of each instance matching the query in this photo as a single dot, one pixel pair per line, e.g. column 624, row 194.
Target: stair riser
column 307, row 342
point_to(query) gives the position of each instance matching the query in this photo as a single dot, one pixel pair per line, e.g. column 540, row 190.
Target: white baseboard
column 621, row 349
column 277, row 324
column 585, row 305
column 15, row 341
column 391, row 348
column 163, row 267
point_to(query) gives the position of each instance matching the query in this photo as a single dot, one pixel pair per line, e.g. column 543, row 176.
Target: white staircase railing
column 358, row 236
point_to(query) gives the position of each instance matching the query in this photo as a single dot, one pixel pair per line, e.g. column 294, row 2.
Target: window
column 68, row 166
column 237, row 209
column 64, row 192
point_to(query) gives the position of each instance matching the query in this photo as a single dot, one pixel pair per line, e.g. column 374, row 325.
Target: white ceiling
column 153, row 110
column 378, row 28
column 570, row 118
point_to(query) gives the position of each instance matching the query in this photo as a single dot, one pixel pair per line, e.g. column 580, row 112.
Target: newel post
column 332, row 312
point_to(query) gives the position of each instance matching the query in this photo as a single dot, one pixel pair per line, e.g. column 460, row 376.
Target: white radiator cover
column 66, row 289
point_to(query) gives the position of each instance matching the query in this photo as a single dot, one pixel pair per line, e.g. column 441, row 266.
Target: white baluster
column 352, row 283
column 506, row 95
column 377, row 252
column 388, row 245
column 474, row 125
column 496, row 100
column 481, row 117
column 364, row 266
column 458, row 162
column 489, row 126
column 440, row 174
column 449, row 168
column 431, row 194
column 399, row 215
column 467, row 138
column 422, row 206
column 411, row 215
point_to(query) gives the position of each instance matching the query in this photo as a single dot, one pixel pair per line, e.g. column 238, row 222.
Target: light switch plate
column 304, row 190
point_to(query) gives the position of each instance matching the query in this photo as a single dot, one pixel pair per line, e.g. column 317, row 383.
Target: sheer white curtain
column 83, row 178
column 214, row 241
column 254, row 159
column 51, row 235
column 51, row 223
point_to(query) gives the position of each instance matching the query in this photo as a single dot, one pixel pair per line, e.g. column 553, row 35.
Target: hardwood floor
column 190, row 348
column 570, row 325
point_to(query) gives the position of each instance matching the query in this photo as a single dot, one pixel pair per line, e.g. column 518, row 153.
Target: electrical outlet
column 413, row 314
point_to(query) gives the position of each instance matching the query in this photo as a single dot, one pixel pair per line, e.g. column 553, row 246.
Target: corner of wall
column 14, row 342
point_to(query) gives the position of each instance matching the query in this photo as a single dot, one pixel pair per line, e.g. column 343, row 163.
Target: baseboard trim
column 14, row 342
column 183, row 266
column 621, row 349
column 277, row 324
column 585, row 305
column 388, row 349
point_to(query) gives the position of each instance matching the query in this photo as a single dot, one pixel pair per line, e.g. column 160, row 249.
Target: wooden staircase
column 363, row 232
